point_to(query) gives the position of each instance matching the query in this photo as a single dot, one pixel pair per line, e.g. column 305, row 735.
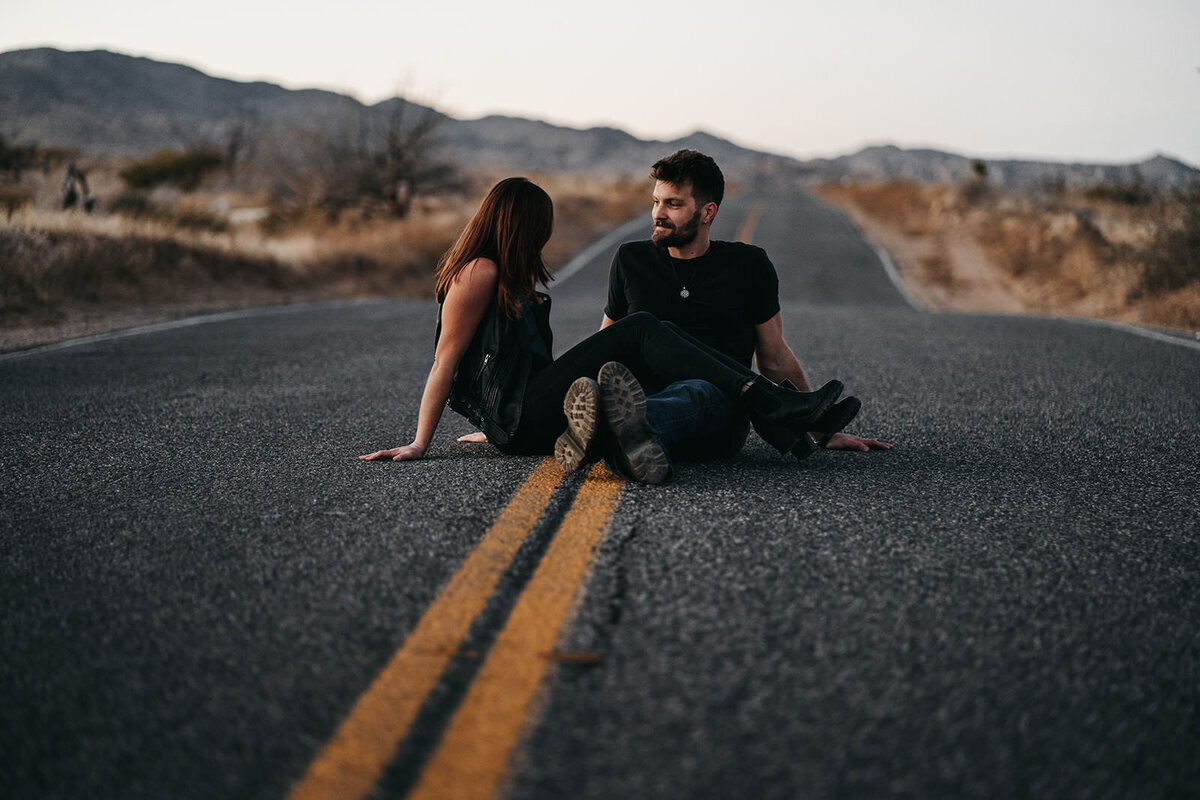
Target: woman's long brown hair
column 512, row 225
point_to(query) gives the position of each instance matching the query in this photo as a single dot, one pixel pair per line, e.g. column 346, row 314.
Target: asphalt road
column 199, row 580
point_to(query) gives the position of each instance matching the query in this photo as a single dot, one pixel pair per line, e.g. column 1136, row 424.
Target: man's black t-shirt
column 731, row 288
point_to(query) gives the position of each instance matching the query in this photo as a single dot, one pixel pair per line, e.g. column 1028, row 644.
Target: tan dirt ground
column 1008, row 255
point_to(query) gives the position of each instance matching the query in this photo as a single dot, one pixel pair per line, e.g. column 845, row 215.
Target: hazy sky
column 1096, row 81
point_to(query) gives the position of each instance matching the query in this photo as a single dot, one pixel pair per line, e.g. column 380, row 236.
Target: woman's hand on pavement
column 408, row 452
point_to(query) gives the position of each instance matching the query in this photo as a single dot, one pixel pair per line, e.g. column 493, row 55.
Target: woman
column 488, row 279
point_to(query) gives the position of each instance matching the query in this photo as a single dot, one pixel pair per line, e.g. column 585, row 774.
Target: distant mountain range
column 104, row 103
column 933, row 166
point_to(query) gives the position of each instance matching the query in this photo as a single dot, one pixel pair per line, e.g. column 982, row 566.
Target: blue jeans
column 657, row 353
column 693, row 419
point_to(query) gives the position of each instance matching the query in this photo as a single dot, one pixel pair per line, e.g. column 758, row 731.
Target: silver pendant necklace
column 683, row 290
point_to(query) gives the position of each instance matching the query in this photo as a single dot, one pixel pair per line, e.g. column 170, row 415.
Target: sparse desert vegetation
column 1122, row 252
column 178, row 232
column 100, row 243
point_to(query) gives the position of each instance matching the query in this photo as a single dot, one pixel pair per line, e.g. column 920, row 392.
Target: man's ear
column 710, row 211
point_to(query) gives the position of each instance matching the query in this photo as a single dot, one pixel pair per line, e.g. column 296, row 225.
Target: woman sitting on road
column 493, row 362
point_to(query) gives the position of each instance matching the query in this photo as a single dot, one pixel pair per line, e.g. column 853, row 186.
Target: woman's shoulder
column 481, row 269
column 475, row 284
column 486, row 263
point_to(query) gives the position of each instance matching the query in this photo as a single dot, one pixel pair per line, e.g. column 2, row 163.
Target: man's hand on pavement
column 846, row 441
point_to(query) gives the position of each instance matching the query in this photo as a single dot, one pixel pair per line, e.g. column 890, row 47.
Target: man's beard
column 677, row 237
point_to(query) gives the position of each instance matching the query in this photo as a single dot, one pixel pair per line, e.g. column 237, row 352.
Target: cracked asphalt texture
column 198, row 577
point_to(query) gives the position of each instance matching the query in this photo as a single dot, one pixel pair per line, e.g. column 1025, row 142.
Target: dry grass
column 584, row 208
column 63, row 273
column 978, row 248
column 56, row 261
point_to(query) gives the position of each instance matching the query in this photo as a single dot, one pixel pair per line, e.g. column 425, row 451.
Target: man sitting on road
column 726, row 294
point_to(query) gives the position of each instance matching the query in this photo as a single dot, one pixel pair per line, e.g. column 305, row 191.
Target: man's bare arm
column 775, row 359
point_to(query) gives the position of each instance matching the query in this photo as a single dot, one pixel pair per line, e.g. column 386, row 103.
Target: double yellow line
column 472, row 758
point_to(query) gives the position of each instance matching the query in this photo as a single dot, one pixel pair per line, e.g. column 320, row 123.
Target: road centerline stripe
column 365, row 742
column 745, row 233
column 475, row 755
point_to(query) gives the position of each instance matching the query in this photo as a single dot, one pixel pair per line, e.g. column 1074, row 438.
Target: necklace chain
column 683, row 290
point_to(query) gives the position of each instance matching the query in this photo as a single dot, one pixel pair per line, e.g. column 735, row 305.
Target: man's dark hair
column 690, row 166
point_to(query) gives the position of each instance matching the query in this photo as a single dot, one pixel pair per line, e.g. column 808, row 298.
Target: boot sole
column 581, row 405
column 624, row 405
column 840, row 414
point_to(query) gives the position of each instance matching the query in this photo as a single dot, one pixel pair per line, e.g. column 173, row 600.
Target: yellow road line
column 365, row 743
column 502, row 704
column 746, row 232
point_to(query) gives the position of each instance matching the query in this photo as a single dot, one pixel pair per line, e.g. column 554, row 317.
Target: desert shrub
column 138, row 205
column 976, row 191
column 16, row 158
column 277, row 220
column 1172, row 259
column 182, row 168
column 13, row 197
column 132, row 204
column 196, row 220
column 1128, row 194
column 360, row 164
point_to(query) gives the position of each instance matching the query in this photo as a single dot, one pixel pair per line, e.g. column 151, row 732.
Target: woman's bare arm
column 462, row 310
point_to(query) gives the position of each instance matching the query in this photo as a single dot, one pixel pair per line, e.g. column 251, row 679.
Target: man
column 726, row 294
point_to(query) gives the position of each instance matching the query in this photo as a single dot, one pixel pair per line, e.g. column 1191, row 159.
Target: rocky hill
column 933, row 166
column 104, row 103
column 101, row 102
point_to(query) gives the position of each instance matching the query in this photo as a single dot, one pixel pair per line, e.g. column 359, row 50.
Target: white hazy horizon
column 1103, row 82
